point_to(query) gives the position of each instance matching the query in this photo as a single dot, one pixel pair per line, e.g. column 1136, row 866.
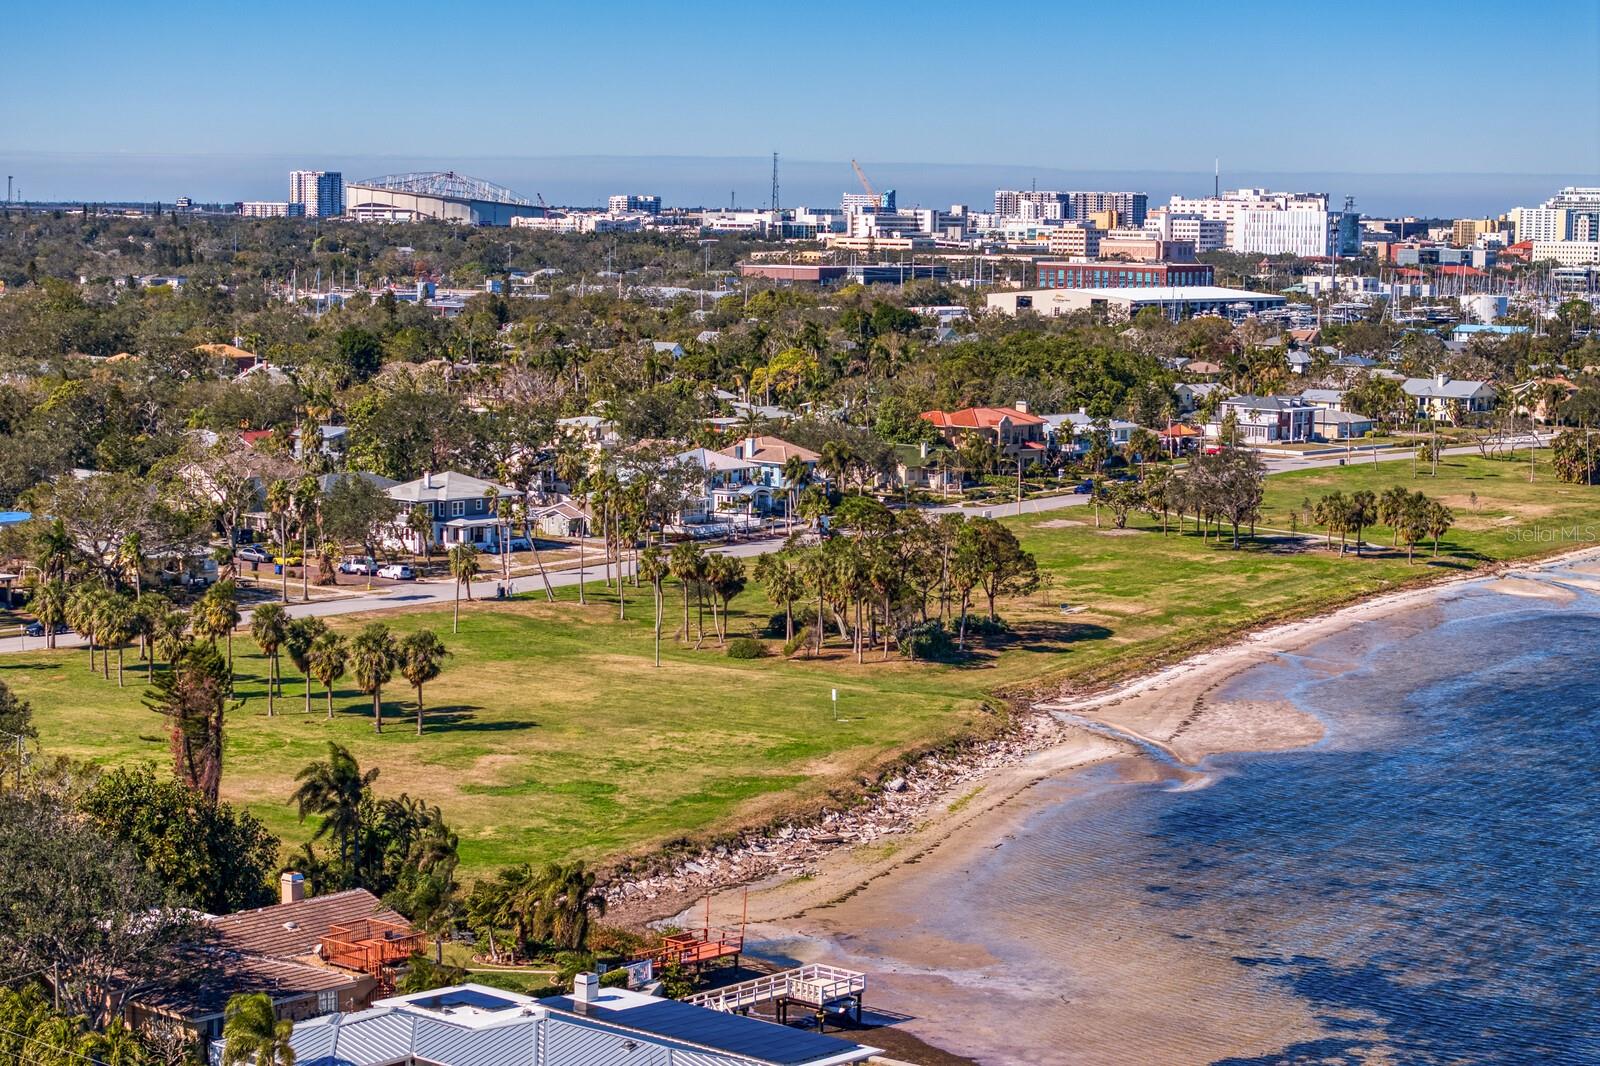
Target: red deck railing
column 371, row 945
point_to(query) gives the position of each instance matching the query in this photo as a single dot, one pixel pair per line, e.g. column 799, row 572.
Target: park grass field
column 552, row 735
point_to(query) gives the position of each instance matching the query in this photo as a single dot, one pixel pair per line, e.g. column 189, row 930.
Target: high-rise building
column 1573, row 214
column 1263, row 222
column 1050, row 204
column 321, row 191
column 630, row 204
column 851, row 202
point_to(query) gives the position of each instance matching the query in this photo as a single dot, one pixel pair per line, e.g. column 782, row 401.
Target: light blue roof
column 1474, row 327
column 11, row 518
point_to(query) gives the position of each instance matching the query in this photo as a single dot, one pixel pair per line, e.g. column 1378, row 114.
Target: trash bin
column 277, row 569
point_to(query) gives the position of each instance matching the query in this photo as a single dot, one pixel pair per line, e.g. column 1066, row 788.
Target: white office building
column 320, row 192
column 1567, row 253
column 1573, row 214
column 271, row 209
column 1206, row 234
column 1263, row 222
column 632, row 204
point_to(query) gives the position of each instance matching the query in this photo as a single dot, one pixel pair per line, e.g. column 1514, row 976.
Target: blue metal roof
column 11, row 518
column 733, row 1033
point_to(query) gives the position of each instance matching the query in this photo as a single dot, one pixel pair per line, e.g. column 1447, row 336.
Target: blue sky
column 107, row 99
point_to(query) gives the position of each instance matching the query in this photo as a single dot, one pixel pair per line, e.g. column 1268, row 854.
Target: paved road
column 441, row 593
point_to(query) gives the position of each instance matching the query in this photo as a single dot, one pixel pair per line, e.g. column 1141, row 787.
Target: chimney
column 1440, row 378
column 585, row 988
column 749, row 447
column 1084, row 411
column 1021, row 405
column 291, row 887
column 427, row 479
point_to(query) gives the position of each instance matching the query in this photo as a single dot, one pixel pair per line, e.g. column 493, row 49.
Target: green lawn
column 551, row 734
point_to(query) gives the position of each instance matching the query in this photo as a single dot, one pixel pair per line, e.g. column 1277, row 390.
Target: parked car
column 398, row 572
column 358, row 564
column 36, row 629
column 254, row 553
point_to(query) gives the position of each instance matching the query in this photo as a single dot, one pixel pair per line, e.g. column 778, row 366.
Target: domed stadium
column 446, row 195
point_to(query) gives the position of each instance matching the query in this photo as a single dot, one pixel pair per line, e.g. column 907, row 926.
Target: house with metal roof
column 474, row 1025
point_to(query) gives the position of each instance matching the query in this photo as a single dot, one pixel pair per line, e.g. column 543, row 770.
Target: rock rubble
column 893, row 805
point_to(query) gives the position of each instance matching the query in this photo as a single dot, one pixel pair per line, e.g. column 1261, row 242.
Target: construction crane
column 861, row 176
column 542, row 205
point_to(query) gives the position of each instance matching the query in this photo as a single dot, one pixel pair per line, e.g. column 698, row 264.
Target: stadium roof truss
column 446, row 184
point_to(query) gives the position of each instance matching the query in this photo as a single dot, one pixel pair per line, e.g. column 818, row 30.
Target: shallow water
column 1421, row 885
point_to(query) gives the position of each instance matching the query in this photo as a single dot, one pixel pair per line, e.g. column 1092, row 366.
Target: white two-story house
column 462, row 508
column 1266, row 420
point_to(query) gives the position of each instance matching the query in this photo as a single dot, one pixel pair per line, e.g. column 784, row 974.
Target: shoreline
column 1160, row 724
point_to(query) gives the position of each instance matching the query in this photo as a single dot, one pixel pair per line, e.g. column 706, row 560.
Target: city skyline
column 708, row 181
column 1265, row 95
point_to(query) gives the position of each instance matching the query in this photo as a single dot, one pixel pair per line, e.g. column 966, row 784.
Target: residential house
column 730, row 489
column 1446, row 400
column 667, row 348
column 312, row 956
column 327, row 440
column 1192, row 394
column 925, row 467
column 768, row 456
column 1266, row 419
column 461, row 508
column 1299, row 361
column 1015, row 431
column 1326, row 399
column 561, row 519
column 475, row 1025
column 1335, row 424
column 1073, row 434
column 594, row 432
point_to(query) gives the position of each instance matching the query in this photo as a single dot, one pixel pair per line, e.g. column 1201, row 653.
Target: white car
column 254, row 553
column 358, row 564
column 398, row 572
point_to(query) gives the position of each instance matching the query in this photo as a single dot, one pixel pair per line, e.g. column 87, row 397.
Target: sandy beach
column 1119, row 985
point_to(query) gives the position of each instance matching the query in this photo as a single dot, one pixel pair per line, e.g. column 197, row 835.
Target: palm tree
column 688, row 564
column 327, row 660
column 567, row 900
column 334, row 791
column 421, row 656
column 269, row 624
column 79, row 610
column 130, row 561
column 307, row 499
column 217, row 615
column 301, row 636
column 1363, row 512
column 1391, row 508
column 49, row 605
column 373, row 659
column 168, row 634
column 724, row 576
column 653, row 567
column 775, row 572
column 796, row 473
column 463, row 567
column 116, row 627
column 280, row 501
column 54, row 550
column 419, row 522
column 252, row 1033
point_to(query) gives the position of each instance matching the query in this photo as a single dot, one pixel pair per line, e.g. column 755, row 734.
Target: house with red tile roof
column 1015, row 431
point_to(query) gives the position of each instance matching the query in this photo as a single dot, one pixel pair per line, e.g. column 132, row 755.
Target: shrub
column 800, row 640
column 617, row 978
column 929, row 641
column 746, row 648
